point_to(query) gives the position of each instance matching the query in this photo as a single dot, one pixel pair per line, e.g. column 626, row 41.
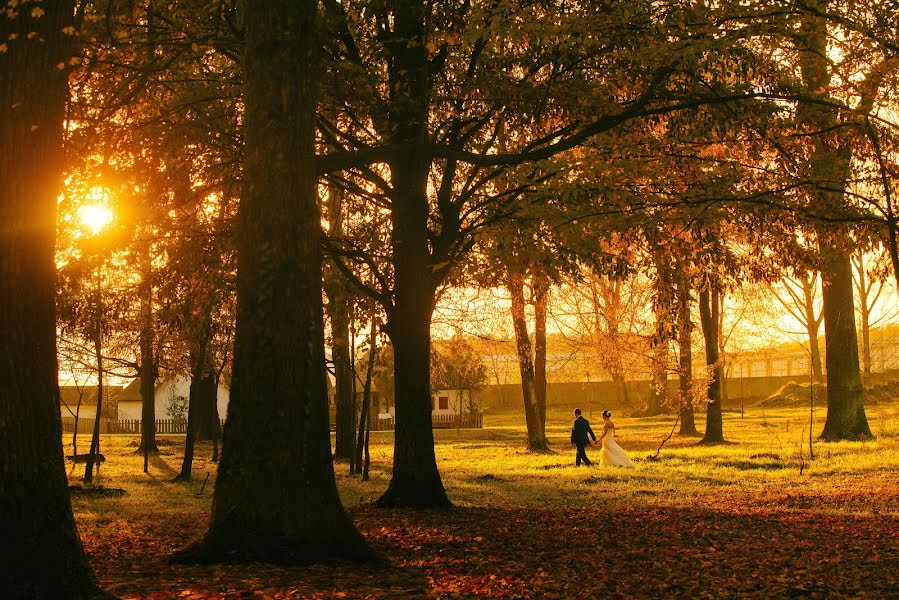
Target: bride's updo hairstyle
column 607, row 414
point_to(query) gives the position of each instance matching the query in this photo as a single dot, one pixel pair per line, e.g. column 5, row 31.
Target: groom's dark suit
column 580, row 440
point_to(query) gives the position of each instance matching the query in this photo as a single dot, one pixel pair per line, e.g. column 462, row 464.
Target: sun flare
column 95, row 216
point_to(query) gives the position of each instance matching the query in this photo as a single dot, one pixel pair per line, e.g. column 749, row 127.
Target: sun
column 95, row 216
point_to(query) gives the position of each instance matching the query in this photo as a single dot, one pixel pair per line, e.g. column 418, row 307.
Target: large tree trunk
column 535, row 427
column 830, row 166
column 685, row 366
column 275, row 496
column 709, row 318
column 416, row 481
column 541, row 290
column 42, row 555
column 846, row 418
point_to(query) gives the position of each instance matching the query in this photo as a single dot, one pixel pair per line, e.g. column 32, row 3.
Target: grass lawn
column 752, row 518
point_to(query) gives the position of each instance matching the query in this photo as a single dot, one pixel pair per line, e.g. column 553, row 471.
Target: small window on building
column 443, row 403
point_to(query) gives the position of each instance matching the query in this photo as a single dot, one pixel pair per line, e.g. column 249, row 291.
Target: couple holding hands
column 611, row 454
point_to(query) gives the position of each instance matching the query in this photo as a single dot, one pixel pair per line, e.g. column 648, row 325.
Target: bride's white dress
column 612, row 454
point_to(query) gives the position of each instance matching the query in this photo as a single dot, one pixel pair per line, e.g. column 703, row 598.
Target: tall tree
column 829, row 166
column 276, row 499
column 473, row 92
column 43, row 557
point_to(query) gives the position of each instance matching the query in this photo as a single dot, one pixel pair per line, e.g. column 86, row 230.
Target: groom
column 579, row 437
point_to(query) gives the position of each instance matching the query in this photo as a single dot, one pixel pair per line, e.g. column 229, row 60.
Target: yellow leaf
column 37, row 12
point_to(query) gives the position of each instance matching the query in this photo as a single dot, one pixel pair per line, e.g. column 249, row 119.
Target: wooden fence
column 86, row 426
column 468, row 421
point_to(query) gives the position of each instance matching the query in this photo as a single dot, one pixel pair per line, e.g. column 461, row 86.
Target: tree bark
column 344, row 401
column 685, row 366
column 830, row 166
column 535, row 429
column 365, row 410
column 846, row 419
column 661, row 339
column 541, row 289
column 43, row 557
column 147, row 373
column 275, row 497
column 93, row 453
column 812, row 325
column 339, row 309
column 416, row 481
column 709, row 318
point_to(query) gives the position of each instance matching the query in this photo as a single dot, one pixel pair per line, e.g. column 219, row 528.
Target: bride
column 611, row 453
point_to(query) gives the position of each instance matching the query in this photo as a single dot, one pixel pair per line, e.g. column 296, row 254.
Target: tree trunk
column 43, row 557
column 535, row 428
column 191, row 435
column 863, row 286
column 661, row 339
column 830, row 166
column 659, row 386
column 813, row 325
column 416, row 481
column 147, row 379
column 93, row 453
column 541, row 289
column 344, row 400
column 203, row 388
column 339, row 309
column 685, row 366
column 709, row 318
column 275, row 496
column 365, row 410
column 846, row 419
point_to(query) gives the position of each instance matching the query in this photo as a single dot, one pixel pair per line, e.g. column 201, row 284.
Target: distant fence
column 468, row 421
column 86, row 425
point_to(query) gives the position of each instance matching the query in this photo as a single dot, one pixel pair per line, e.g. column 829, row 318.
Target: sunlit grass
column 765, row 466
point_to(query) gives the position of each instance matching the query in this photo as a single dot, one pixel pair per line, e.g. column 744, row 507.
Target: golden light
column 95, row 216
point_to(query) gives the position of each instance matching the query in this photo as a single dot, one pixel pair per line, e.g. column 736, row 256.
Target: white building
column 171, row 392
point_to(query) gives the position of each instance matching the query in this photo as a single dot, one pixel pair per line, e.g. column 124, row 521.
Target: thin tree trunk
column 709, row 318
column 535, row 429
column 685, row 367
column 541, row 289
column 813, row 325
column 662, row 334
column 275, row 496
column 191, row 435
column 339, row 309
column 42, row 555
column 93, row 453
column 147, row 379
column 364, row 412
column 344, row 401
